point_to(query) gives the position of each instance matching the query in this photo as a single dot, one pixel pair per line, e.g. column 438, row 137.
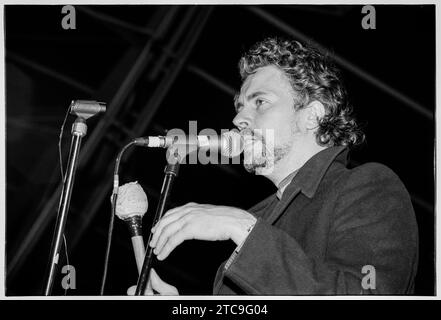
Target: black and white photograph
column 220, row 150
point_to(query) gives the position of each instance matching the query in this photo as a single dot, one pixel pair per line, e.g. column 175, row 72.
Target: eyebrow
column 251, row 96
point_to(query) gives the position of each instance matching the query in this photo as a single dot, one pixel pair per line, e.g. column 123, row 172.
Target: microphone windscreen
column 131, row 201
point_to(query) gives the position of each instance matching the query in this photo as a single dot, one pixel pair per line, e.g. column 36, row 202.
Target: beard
column 260, row 152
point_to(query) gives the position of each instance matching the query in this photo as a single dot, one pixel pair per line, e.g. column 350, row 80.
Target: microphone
column 230, row 143
column 86, row 108
column 131, row 205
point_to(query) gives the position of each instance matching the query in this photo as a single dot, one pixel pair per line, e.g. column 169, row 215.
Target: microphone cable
column 112, row 215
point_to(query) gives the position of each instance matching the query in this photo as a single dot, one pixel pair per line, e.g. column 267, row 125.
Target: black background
column 47, row 67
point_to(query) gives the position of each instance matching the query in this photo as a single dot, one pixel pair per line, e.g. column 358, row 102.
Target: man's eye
column 260, row 102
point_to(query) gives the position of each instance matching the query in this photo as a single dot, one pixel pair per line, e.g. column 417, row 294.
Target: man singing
column 328, row 229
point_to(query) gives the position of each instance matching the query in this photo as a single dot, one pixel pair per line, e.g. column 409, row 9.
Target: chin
column 263, row 168
column 264, row 171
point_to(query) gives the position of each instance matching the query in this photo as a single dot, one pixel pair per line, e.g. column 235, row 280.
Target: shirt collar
column 284, row 183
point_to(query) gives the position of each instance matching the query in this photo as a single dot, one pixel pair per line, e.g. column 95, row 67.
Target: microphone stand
column 171, row 171
column 83, row 109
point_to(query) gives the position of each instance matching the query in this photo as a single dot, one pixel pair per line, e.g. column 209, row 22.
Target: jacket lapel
column 308, row 179
column 283, row 203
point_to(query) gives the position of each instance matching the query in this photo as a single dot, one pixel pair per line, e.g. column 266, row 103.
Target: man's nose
column 242, row 120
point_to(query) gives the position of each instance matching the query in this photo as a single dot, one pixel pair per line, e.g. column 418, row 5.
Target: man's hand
column 202, row 222
column 155, row 284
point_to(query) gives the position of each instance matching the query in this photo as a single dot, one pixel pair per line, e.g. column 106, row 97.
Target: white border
column 2, row 162
column 189, row 298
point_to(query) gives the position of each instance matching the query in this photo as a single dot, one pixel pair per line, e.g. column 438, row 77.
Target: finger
column 162, row 225
column 160, row 286
column 165, row 221
column 176, row 210
column 149, row 292
column 173, row 241
column 169, row 230
column 132, row 290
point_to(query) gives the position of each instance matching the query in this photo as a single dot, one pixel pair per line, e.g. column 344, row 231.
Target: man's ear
column 315, row 111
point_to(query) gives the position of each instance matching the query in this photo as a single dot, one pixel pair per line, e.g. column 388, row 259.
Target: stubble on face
column 262, row 155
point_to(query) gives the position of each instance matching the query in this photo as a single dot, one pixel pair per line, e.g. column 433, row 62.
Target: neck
column 294, row 160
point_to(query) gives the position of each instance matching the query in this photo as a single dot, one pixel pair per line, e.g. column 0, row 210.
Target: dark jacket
column 335, row 231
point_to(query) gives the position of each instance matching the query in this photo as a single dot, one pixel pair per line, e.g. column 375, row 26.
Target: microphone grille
column 232, row 144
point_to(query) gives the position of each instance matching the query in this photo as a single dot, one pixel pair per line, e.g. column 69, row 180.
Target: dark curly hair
column 313, row 76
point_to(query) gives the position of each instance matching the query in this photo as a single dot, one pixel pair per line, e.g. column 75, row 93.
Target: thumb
column 132, row 290
column 162, row 287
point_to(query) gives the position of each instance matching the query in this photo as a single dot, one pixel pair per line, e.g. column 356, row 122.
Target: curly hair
column 313, row 76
